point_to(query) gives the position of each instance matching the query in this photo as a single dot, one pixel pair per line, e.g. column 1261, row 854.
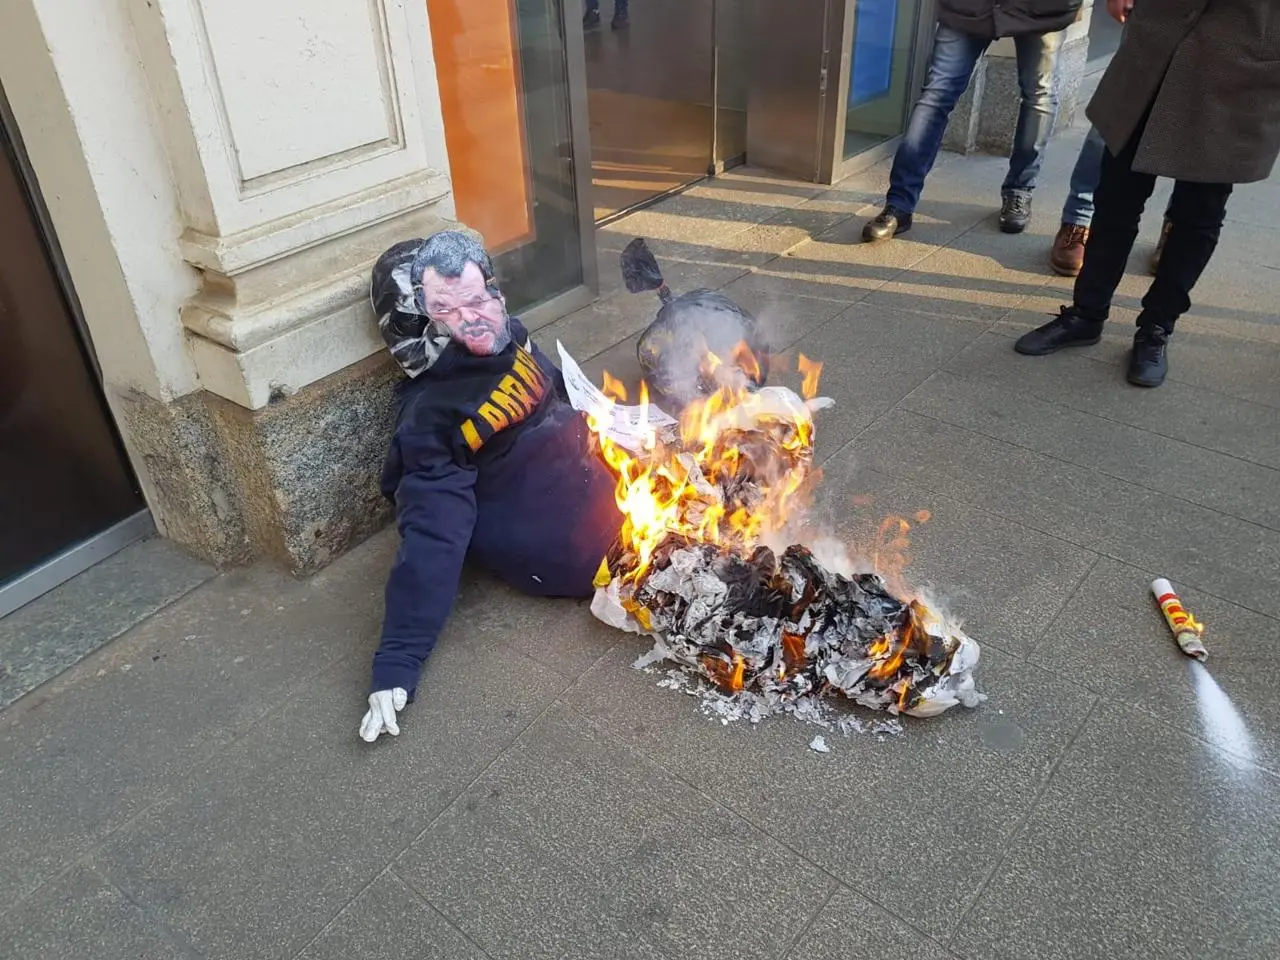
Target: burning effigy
column 710, row 560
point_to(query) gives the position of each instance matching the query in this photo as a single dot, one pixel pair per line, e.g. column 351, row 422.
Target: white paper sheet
column 627, row 426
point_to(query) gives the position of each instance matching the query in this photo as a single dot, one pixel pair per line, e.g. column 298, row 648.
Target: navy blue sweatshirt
column 488, row 460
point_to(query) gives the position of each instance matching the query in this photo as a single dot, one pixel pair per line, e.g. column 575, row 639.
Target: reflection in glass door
column 649, row 89
column 885, row 37
column 502, row 68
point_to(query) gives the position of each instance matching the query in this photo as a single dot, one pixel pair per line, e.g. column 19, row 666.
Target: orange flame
column 766, row 436
column 811, row 370
column 614, row 388
column 745, row 359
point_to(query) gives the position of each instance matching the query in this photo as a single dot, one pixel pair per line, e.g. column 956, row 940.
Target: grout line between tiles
column 174, row 935
column 762, row 830
column 1064, row 605
column 1099, row 470
column 1020, row 825
column 417, row 895
column 789, row 947
column 179, row 779
column 1058, row 402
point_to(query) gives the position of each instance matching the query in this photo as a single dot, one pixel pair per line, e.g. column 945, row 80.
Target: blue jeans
column 951, row 64
column 619, row 6
column 1078, row 209
column 1084, row 180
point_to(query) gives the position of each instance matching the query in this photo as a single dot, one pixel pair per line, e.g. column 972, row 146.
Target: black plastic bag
column 700, row 340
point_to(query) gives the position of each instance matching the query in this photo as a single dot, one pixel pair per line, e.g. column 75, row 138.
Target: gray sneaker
column 1015, row 212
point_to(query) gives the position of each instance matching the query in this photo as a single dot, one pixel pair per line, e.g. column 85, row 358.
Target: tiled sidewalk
column 195, row 789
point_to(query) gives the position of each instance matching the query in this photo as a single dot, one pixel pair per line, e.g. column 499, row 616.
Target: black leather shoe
column 1149, row 362
column 1067, row 329
column 1015, row 212
column 591, row 20
column 888, row 224
column 620, row 21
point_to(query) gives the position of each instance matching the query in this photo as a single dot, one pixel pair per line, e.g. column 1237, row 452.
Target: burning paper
column 629, row 427
column 770, row 630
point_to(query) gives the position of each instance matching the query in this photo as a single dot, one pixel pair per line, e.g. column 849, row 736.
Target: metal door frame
column 80, row 556
column 833, row 165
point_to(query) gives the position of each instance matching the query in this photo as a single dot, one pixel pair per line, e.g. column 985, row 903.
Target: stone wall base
column 295, row 482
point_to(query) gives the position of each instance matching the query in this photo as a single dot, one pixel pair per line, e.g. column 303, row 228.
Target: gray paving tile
column 1254, row 203
column 1113, row 638
column 387, row 922
column 81, row 917
column 598, row 326
column 571, row 840
column 912, row 822
column 850, row 927
column 692, row 241
column 613, row 318
column 1256, row 243
column 872, row 357
column 680, row 274
column 755, row 185
column 784, row 317
column 561, row 635
column 1218, row 481
column 1234, row 357
column 1176, row 410
column 49, row 634
column 269, row 840
column 112, row 735
column 1146, row 844
column 1233, row 558
column 1239, row 289
column 981, row 274
column 1004, row 581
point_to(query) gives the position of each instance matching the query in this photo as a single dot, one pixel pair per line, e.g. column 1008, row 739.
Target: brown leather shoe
column 1159, row 251
column 1067, row 254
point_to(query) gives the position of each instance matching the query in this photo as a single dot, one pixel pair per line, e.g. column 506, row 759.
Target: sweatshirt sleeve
column 436, row 513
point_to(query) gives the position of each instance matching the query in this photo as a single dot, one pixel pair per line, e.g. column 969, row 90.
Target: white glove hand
column 383, row 707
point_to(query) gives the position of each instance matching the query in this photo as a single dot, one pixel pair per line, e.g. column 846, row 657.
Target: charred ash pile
column 766, row 632
column 772, row 630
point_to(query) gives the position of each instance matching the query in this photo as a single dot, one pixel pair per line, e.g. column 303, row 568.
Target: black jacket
column 1008, row 18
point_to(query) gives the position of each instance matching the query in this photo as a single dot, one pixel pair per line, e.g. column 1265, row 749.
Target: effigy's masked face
column 472, row 310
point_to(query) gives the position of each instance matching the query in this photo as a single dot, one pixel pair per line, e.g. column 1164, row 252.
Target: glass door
column 63, row 475
column 880, row 91
column 503, row 71
column 649, row 66
column 733, row 38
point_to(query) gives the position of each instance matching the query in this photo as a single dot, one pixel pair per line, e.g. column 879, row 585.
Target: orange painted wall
column 478, row 67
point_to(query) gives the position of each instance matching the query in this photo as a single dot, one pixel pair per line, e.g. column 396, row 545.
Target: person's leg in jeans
column 950, row 66
column 1066, row 254
column 620, row 17
column 1037, row 68
column 1078, row 210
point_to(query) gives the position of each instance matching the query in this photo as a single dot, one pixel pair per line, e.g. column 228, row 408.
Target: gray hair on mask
column 448, row 253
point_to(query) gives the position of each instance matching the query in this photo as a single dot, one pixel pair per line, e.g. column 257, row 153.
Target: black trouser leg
column 1195, row 215
column 1118, row 204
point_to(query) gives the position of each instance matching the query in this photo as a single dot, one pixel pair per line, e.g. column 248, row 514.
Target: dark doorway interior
column 63, row 474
